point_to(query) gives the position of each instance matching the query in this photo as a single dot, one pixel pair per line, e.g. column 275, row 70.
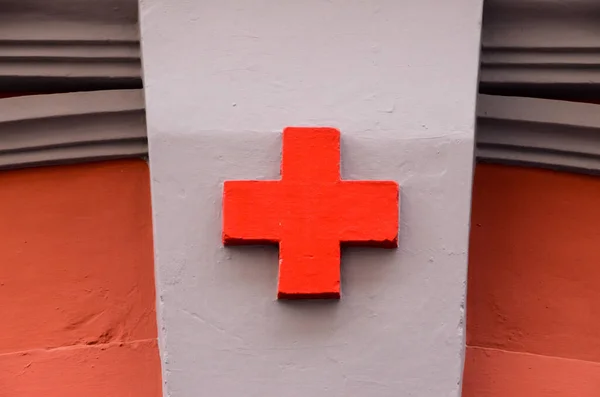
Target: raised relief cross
column 310, row 212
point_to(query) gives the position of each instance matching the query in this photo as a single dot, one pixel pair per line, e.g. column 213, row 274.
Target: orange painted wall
column 533, row 313
column 77, row 282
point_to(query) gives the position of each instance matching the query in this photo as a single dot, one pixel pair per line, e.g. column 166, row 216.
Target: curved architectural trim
column 69, row 58
column 541, row 42
column 75, row 127
column 66, row 41
column 539, row 132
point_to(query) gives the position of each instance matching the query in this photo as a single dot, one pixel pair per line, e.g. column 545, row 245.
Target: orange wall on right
column 533, row 306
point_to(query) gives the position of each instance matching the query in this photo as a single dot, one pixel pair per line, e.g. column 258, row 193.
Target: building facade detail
column 69, row 44
column 539, row 132
column 540, row 42
column 310, row 212
column 73, row 127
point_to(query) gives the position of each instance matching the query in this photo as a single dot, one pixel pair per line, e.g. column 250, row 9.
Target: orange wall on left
column 77, row 282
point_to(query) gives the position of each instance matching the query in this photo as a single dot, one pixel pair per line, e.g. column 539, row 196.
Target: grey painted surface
column 69, row 44
column 539, row 132
column 75, row 127
column 398, row 78
column 542, row 42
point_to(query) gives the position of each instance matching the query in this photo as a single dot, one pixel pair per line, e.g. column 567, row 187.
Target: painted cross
column 309, row 213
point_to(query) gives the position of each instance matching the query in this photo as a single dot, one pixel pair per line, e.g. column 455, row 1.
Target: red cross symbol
column 310, row 212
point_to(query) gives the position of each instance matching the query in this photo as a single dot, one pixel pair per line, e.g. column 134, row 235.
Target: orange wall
column 77, row 282
column 533, row 313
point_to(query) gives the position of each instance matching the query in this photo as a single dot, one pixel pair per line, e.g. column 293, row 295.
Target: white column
column 398, row 78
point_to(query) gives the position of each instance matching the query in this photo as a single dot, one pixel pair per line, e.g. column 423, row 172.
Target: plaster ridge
column 539, row 132
column 79, row 347
column 449, row 136
column 544, row 42
column 75, row 53
column 529, row 354
column 72, row 127
column 69, row 104
column 69, row 41
column 94, row 140
column 536, row 110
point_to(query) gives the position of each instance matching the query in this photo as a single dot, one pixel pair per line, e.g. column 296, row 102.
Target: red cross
column 310, row 212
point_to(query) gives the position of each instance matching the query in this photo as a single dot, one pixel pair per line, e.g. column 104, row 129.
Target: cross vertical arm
column 310, row 155
column 309, row 268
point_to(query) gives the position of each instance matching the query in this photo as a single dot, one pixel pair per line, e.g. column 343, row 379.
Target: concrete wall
column 222, row 79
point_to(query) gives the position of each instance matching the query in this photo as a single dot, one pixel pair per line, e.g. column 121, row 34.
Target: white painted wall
column 222, row 79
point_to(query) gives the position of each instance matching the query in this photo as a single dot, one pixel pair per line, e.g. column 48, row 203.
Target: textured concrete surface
column 398, row 78
column 76, row 282
column 533, row 320
column 534, row 262
column 499, row 373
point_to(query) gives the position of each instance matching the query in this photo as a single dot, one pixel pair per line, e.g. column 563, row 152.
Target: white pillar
column 398, row 78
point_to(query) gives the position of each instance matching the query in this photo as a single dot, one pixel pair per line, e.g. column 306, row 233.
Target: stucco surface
column 76, row 282
column 222, row 80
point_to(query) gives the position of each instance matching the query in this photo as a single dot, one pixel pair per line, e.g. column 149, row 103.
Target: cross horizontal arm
column 368, row 213
column 251, row 211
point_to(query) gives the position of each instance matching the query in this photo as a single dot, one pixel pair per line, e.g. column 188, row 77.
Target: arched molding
column 539, row 132
column 61, row 43
column 541, row 42
column 74, row 127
